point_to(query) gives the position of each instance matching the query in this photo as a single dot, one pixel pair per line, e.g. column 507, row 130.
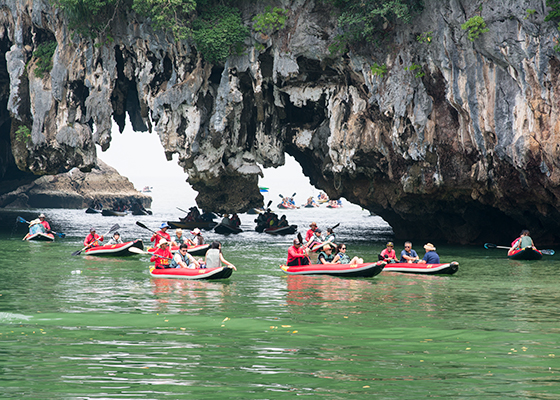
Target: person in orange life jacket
column 311, row 231
column 44, row 222
column 164, row 254
column 93, row 239
column 161, row 234
column 297, row 255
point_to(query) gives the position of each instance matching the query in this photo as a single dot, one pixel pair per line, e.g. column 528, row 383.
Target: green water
column 94, row 328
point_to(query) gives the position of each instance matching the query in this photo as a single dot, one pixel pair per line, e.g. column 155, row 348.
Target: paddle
column 336, row 226
column 23, row 221
column 141, row 225
column 113, row 229
column 180, row 209
column 546, row 252
column 139, row 251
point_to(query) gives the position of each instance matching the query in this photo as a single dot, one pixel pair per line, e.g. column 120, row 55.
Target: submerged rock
column 76, row 189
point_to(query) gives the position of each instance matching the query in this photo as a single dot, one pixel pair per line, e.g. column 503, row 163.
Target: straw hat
column 178, row 230
column 162, row 242
column 42, row 216
column 429, row 247
column 313, row 224
column 195, row 231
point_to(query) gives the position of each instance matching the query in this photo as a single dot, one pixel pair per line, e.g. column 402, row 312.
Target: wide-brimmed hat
column 178, row 230
column 313, row 224
column 195, row 231
column 296, row 241
column 390, row 244
column 162, row 241
column 92, row 229
column 164, row 225
column 42, row 216
column 429, row 247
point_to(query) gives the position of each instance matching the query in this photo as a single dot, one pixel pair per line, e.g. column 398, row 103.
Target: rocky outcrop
column 76, row 189
column 457, row 141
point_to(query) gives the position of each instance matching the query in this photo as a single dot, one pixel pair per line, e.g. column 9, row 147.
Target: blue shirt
column 431, row 257
column 412, row 253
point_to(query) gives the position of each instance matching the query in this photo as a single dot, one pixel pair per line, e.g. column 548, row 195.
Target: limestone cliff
column 457, row 141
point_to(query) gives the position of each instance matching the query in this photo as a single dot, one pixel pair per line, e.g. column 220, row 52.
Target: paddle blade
column 269, row 203
column 141, row 225
column 547, row 252
column 137, row 250
column 114, row 228
column 300, row 238
column 21, row 220
column 490, row 246
column 281, row 196
column 76, row 253
column 293, row 195
column 336, row 226
column 60, row 234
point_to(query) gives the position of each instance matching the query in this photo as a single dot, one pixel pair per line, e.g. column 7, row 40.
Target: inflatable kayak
column 227, row 229
column 192, row 250
column 192, row 274
column 39, row 237
column 414, row 268
column 366, row 270
column 528, row 253
column 192, row 224
column 285, row 230
column 115, row 250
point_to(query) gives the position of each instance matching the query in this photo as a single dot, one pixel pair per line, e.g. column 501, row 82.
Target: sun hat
column 429, row 247
column 195, row 231
column 92, row 229
column 390, row 244
column 296, row 241
column 164, row 225
column 313, row 224
column 42, row 216
column 162, row 241
column 178, row 230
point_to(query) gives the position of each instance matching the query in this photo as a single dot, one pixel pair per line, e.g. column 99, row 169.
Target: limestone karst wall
column 463, row 149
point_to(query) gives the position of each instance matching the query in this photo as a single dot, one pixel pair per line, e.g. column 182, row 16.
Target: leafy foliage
column 475, row 26
column 88, row 17
column 379, row 70
column 425, row 37
column 23, row 134
column 413, row 68
column 219, row 31
column 43, row 54
column 362, row 20
column 270, row 21
column 554, row 14
column 169, row 15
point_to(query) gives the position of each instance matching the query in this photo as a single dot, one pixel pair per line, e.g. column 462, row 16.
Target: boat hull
column 285, row 230
column 115, row 250
column 192, row 274
column 226, row 229
column 429, row 269
column 528, row 253
column 39, row 237
column 366, row 270
column 207, row 225
column 113, row 213
column 90, row 210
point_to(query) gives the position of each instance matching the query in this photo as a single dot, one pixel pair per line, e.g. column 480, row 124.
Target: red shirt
column 161, row 262
column 46, row 225
column 295, row 253
column 309, row 234
column 390, row 254
column 160, row 234
column 92, row 240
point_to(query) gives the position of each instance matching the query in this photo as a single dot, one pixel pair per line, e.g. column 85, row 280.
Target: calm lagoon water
column 101, row 328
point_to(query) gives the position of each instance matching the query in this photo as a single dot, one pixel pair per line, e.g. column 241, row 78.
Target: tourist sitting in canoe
column 161, row 234
column 193, row 215
column 116, row 239
column 322, row 197
column 343, row 258
column 197, row 239
column 408, row 255
column 326, row 256
column 214, row 257
column 43, row 221
column 283, row 222
column 182, row 259
column 330, row 237
column 316, row 239
column 93, row 239
column 178, row 239
column 431, row 257
column 311, row 202
column 523, row 241
column 388, row 253
column 235, row 221
column 311, row 231
column 297, row 255
column 162, row 255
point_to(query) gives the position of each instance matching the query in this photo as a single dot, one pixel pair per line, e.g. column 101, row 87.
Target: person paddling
column 44, row 222
column 116, row 239
column 311, row 231
column 523, row 241
column 162, row 255
column 93, row 239
column 161, row 234
column 197, row 240
column 297, row 255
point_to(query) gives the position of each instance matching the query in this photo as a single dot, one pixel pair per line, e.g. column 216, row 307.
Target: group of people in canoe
column 268, row 219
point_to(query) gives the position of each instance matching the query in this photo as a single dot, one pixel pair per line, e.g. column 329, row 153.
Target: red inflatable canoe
column 414, row 268
column 115, row 250
column 199, row 250
column 366, row 270
column 528, row 253
column 192, row 274
column 39, row 236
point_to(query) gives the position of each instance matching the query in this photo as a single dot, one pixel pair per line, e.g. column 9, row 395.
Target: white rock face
column 457, row 137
